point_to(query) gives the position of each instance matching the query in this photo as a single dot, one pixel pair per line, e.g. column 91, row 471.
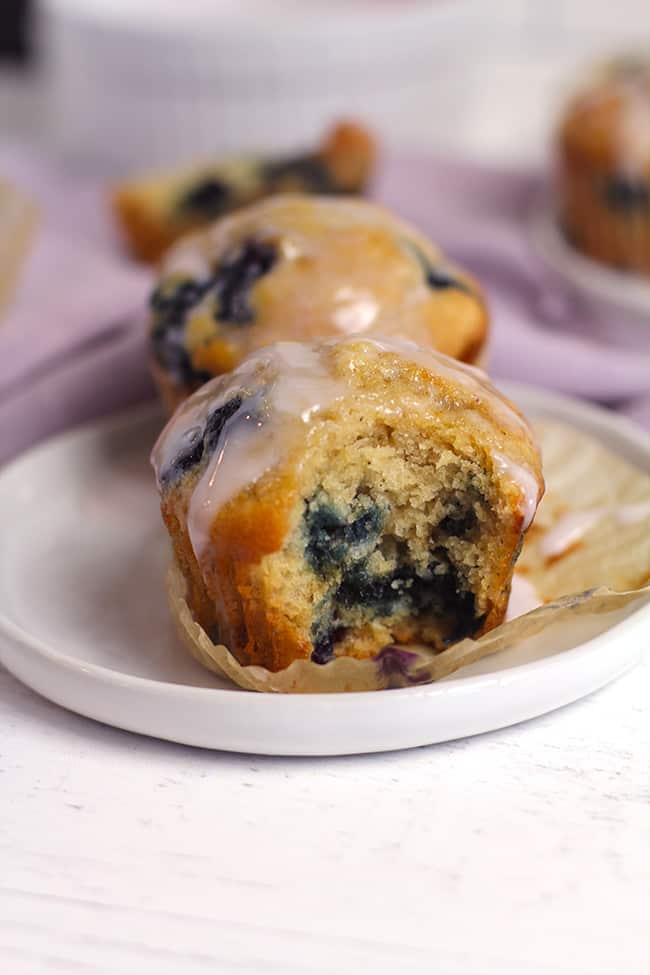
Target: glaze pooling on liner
column 279, row 392
column 572, row 527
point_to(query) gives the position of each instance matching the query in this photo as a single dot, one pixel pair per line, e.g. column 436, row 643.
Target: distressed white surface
column 523, row 851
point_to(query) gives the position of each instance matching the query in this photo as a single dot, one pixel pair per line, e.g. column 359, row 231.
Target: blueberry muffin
column 337, row 497
column 603, row 167
column 158, row 209
column 298, row 267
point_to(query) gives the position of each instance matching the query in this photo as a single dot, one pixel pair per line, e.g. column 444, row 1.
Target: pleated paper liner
column 585, row 559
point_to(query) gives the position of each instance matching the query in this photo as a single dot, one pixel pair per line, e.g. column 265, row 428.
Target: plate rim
column 542, row 401
column 116, row 678
column 629, row 292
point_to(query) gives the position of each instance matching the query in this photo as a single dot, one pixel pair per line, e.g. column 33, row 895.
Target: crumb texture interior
column 393, row 541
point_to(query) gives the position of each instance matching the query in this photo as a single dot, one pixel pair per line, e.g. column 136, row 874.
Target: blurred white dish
column 136, row 84
column 624, row 294
column 84, row 620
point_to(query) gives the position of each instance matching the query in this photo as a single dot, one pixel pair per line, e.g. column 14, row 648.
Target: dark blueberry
column 627, row 195
column 400, row 667
column 307, row 172
column 171, row 302
column 324, row 642
column 177, row 298
column 235, row 277
column 207, row 198
column 188, row 457
column 381, row 593
column 170, row 305
column 216, row 422
column 200, row 442
column 437, row 591
column 467, row 622
column 453, row 599
column 331, row 537
column 460, row 522
column 438, row 278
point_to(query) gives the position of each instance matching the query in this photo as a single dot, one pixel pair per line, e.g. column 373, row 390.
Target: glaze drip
column 249, row 420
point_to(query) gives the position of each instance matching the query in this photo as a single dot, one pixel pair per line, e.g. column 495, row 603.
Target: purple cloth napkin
column 72, row 344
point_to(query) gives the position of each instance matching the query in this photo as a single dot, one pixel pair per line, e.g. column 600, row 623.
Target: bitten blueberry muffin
column 296, row 267
column 603, row 167
column 339, row 497
column 156, row 210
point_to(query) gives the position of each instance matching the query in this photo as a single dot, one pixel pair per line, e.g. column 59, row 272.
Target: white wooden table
column 522, row 852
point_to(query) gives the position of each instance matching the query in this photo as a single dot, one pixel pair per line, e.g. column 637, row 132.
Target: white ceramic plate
column 84, row 621
column 621, row 291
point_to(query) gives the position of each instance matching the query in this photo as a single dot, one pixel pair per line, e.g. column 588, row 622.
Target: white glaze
column 300, row 387
column 525, row 480
column 290, row 220
column 356, row 310
column 523, row 597
column 194, row 410
column 189, row 260
column 571, row 528
column 298, row 382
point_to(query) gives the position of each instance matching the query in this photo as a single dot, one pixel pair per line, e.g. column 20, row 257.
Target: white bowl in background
column 155, row 81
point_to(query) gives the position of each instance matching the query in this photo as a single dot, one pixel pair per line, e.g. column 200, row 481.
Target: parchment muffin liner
column 586, row 557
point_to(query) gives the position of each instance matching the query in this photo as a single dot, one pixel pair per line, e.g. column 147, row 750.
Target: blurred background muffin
column 157, row 209
column 293, row 268
column 603, row 165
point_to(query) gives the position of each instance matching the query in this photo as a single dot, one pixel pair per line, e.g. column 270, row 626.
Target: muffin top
column 295, row 268
column 608, row 120
column 267, row 418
